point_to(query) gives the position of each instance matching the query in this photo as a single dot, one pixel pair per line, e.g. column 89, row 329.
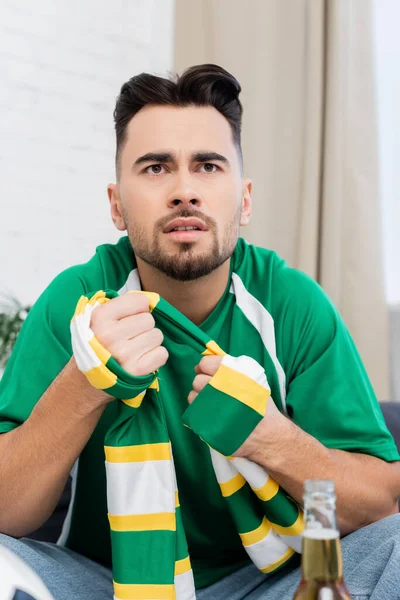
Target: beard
column 185, row 264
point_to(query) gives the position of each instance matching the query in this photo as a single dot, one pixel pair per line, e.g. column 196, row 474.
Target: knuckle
column 105, row 337
column 163, row 356
column 138, row 370
column 195, row 383
column 203, row 363
column 100, row 325
column 158, row 335
column 136, row 366
column 148, row 321
column 154, row 360
column 96, row 318
column 141, row 302
column 122, row 354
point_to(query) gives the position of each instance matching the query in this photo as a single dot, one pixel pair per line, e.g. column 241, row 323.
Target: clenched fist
column 266, row 428
column 126, row 328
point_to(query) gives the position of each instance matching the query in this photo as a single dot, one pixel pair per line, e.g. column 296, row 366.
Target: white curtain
column 309, row 142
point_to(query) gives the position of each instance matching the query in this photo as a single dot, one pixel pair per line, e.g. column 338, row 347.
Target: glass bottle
column 321, row 561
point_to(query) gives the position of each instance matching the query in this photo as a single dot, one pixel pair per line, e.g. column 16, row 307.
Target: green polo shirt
column 313, row 369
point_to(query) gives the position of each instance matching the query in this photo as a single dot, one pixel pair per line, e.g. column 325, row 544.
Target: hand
column 269, row 425
column 126, row 328
column 206, row 368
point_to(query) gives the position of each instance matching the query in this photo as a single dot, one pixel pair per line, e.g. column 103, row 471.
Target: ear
column 245, row 216
column 115, row 206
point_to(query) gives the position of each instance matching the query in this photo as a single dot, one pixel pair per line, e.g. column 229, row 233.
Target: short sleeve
column 42, row 349
column 329, row 394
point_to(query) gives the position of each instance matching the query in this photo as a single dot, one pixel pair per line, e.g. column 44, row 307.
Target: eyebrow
column 165, row 157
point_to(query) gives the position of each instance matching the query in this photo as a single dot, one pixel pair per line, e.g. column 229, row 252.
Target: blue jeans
column 371, row 558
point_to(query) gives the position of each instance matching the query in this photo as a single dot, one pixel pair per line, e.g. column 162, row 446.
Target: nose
column 184, row 192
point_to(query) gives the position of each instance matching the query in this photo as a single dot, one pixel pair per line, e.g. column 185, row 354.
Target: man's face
column 179, row 168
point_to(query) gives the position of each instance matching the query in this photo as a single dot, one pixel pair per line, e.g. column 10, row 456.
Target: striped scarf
column 150, row 555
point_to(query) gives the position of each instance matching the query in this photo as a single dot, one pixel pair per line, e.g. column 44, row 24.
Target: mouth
column 185, row 230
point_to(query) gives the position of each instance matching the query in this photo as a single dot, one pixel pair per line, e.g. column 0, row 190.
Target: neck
column 195, row 299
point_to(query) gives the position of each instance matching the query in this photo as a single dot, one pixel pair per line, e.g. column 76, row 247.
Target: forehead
column 189, row 128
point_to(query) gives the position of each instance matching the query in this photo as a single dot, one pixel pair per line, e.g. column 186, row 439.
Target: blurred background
column 321, row 139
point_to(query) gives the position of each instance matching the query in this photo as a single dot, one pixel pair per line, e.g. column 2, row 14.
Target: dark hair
column 202, row 85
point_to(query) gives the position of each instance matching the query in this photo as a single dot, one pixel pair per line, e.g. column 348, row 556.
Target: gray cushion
column 391, row 413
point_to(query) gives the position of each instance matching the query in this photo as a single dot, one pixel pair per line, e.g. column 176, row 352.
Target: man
column 182, row 198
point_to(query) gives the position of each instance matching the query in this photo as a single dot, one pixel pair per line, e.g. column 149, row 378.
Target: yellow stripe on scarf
column 101, row 378
column 142, row 453
column 233, row 485
column 155, row 385
column 296, row 529
column 252, row 537
column 80, row 307
column 99, row 297
column 212, row 349
column 128, row 591
column 136, row 401
column 102, row 354
column 279, row 562
column 267, row 491
column 182, row 566
column 241, row 387
column 150, row 522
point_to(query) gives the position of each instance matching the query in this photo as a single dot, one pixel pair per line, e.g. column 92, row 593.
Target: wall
column 61, row 67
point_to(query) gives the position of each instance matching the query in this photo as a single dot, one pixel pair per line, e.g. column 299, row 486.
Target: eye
column 157, row 170
column 208, row 170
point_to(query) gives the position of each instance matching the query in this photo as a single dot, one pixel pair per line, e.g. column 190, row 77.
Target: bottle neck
column 321, row 557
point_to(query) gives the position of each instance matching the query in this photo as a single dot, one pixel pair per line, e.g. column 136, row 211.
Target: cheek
column 141, row 220
column 223, row 198
column 229, row 212
column 138, row 209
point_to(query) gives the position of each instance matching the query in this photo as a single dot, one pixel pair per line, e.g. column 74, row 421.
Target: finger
column 197, row 369
column 148, row 363
column 134, row 325
column 192, row 396
column 146, row 342
column 200, row 382
column 122, row 306
column 209, row 364
column 131, row 351
column 114, row 333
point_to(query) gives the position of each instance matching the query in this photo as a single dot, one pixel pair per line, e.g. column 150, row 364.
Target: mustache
column 185, row 213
